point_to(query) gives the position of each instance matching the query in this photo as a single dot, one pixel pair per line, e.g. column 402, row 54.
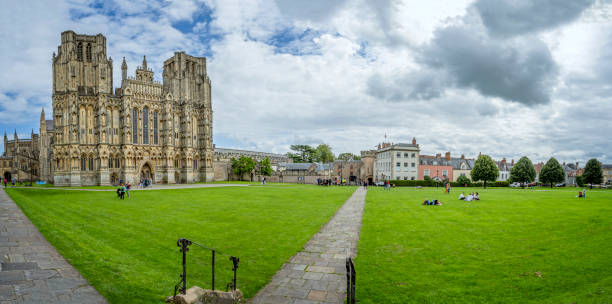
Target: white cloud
column 286, row 73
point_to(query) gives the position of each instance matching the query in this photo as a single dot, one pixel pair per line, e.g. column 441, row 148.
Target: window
column 412, row 154
column 398, row 154
column 91, row 165
column 117, row 163
column 444, row 172
column 405, row 165
column 412, row 178
column 462, row 174
column 110, row 162
column 88, row 52
column 405, row 154
column 426, row 172
column 145, row 126
column 413, row 164
column 155, row 127
column 80, row 51
column 405, row 177
column 83, row 164
column 398, row 164
column 195, row 164
column 135, row 126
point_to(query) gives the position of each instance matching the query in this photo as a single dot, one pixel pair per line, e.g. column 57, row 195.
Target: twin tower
column 101, row 135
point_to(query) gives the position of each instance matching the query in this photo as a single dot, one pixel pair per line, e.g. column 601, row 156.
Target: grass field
column 127, row 249
column 512, row 246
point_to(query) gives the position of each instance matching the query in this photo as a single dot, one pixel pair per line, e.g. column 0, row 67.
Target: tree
column 243, row 165
column 323, row 153
column 462, row 179
column 580, row 180
column 427, row 178
column 523, row 171
column 552, row 172
column 348, row 156
column 484, row 170
column 593, row 172
column 264, row 167
column 304, row 153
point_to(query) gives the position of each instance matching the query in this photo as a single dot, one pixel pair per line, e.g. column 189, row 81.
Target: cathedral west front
column 98, row 135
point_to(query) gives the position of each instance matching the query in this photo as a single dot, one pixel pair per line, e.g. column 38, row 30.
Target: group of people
column 471, row 197
column 582, row 194
column 145, row 183
column 13, row 182
column 123, row 190
column 432, row 202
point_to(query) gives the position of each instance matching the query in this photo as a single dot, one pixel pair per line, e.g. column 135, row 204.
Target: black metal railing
column 184, row 244
column 350, row 281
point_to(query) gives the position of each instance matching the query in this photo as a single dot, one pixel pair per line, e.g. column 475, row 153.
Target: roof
column 247, row 152
column 298, row 166
column 322, row 166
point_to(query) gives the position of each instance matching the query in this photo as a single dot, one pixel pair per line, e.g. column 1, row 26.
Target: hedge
column 433, row 183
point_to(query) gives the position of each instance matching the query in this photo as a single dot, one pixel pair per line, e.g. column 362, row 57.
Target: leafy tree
column 264, row 167
column 552, row 172
column 243, row 165
column 323, row 153
column 348, row 156
column 593, row 172
column 484, row 170
column 462, row 179
column 427, row 177
column 580, row 180
column 523, row 171
column 303, row 153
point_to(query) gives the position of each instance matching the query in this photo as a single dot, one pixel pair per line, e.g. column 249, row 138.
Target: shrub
column 502, row 184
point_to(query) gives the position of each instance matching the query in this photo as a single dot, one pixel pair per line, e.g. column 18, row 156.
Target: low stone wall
column 197, row 295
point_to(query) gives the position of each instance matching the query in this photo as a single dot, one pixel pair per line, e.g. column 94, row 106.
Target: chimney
column 504, row 160
column 462, row 156
column 438, row 155
column 414, row 141
column 512, row 163
column 447, row 156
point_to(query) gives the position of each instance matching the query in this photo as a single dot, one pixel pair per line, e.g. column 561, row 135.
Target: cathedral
column 99, row 135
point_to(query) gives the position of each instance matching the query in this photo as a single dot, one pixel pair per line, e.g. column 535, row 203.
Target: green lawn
column 488, row 251
column 127, row 249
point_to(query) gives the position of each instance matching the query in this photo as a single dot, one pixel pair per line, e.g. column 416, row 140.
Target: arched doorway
column 114, row 179
column 7, row 175
column 146, row 173
column 177, row 177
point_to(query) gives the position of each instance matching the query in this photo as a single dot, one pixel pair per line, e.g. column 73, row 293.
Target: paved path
column 317, row 274
column 31, row 270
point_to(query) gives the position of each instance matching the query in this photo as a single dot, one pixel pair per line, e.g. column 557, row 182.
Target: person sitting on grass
column 462, row 196
column 437, row 203
column 476, row 197
column 469, row 198
column 426, row 202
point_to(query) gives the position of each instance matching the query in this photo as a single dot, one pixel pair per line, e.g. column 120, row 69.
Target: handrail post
column 213, row 270
column 235, row 261
column 183, row 243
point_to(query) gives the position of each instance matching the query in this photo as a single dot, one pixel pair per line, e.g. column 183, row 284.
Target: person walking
column 122, row 191
column 128, row 186
column 5, row 181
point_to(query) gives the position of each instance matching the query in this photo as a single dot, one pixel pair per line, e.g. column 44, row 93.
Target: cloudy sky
column 503, row 77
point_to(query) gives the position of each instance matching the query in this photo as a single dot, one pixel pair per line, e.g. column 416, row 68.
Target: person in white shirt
column 461, row 196
column 469, row 198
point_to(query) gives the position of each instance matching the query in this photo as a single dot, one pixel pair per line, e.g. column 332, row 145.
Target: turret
column 123, row 70
column 5, row 142
column 143, row 73
column 15, row 136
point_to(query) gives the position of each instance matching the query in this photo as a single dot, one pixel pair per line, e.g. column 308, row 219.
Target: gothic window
column 83, row 164
column 88, row 52
column 145, row 126
column 195, row 164
column 117, row 163
column 91, row 165
column 110, row 162
column 155, row 127
column 135, row 126
column 80, row 51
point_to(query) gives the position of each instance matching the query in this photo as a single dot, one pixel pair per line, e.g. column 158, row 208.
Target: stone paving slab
column 317, row 274
column 31, row 270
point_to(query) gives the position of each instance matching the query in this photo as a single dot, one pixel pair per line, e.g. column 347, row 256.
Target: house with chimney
column 504, row 169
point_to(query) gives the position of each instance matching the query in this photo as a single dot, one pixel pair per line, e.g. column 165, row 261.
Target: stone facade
column 144, row 129
column 20, row 158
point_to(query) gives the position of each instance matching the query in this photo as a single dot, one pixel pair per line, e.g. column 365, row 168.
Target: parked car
column 560, row 185
column 532, row 184
column 515, row 184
